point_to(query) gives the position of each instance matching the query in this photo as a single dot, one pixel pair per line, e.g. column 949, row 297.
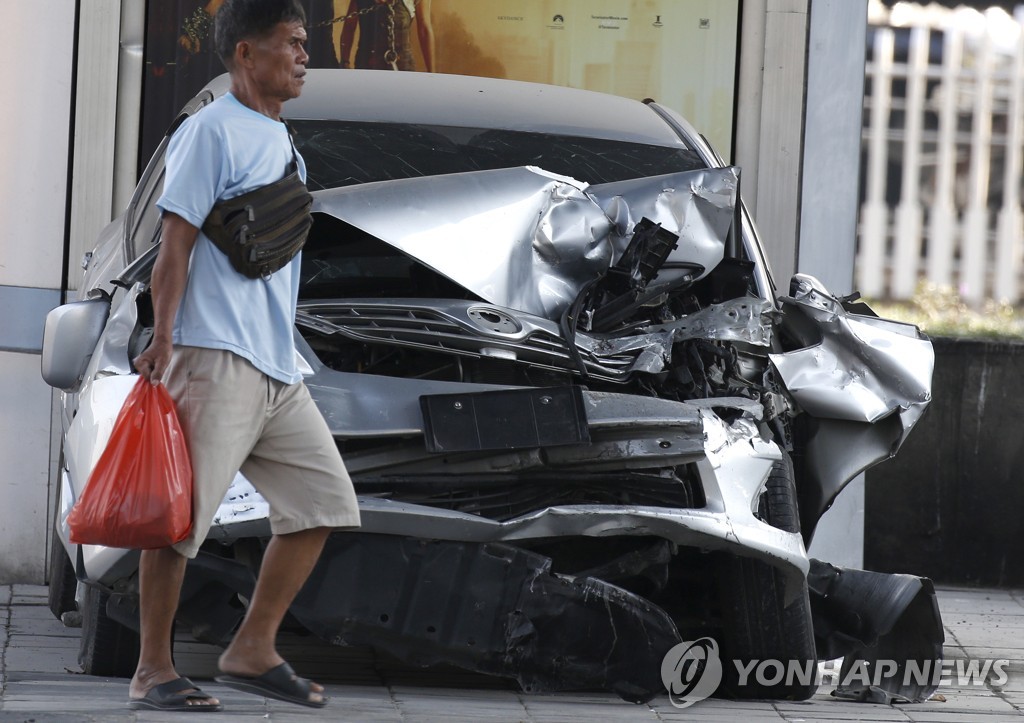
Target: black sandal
column 175, row 695
column 279, row 683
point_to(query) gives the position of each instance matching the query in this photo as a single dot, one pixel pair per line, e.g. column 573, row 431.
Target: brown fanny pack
column 262, row 230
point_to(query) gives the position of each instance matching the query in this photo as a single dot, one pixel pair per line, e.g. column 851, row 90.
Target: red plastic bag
column 139, row 495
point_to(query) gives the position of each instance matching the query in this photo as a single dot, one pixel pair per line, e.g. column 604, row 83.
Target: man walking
column 223, row 345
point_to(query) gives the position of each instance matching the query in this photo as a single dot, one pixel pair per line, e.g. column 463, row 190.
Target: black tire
column 757, row 626
column 108, row 648
column 61, row 581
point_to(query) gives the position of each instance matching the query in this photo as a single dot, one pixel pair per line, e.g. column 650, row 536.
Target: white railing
column 942, row 142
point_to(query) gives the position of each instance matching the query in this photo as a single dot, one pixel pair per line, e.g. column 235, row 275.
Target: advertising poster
column 681, row 53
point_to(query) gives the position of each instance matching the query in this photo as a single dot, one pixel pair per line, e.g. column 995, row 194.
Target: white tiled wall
column 36, row 58
column 34, row 137
column 24, row 461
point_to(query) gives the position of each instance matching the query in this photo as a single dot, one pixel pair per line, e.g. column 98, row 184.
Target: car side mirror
column 801, row 285
column 69, row 338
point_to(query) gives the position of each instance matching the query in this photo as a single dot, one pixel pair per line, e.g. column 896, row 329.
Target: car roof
column 467, row 101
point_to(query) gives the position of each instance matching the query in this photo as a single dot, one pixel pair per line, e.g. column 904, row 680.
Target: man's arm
column 170, row 274
column 425, row 33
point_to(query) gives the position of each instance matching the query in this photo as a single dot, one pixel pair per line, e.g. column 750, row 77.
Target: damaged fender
column 862, row 381
column 853, row 367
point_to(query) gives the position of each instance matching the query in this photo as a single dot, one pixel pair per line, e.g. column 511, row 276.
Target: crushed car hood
column 530, row 240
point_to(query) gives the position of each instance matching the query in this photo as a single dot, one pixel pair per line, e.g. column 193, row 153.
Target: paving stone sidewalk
column 40, row 680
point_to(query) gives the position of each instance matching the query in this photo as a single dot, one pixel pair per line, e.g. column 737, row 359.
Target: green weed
column 941, row 311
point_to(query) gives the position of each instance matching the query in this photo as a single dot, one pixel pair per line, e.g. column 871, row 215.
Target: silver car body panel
column 864, row 368
column 528, row 239
column 745, row 319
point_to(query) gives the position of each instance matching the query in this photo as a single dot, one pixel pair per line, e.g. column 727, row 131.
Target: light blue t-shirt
column 223, row 151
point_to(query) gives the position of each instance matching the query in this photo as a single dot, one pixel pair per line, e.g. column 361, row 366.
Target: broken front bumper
column 627, row 432
column 731, row 459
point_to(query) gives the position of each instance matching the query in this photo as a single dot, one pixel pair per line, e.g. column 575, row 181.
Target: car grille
column 431, row 329
column 503, row 500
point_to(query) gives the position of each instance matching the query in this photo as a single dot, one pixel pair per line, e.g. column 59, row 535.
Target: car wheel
column 757, row 626
column 61, row 583
column 108, row 648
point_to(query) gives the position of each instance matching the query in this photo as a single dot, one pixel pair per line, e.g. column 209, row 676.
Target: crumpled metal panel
column 653, row 351
column 745, row 319
column 698, row 206
column 111, row 355
column 863, row 368
column 528, row 239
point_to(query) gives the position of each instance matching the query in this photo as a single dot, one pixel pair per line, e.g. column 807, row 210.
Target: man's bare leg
column 286, row 564
column 160, row 575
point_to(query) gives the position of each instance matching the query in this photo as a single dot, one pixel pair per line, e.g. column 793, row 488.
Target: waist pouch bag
column 262, row 230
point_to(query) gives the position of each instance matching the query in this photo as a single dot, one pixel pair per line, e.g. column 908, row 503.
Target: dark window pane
column 343, row 153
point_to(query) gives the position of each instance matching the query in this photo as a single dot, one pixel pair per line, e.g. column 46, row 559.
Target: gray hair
column 239, row 20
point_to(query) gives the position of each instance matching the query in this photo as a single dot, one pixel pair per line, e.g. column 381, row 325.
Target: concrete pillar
column 801, row 78
column 831, row 149
column 780, row 139
column 828, row 207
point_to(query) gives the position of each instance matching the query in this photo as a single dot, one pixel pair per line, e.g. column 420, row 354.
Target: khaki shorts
column 235, row 418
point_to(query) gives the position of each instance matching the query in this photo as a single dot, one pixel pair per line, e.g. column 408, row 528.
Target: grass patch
column 941, row 311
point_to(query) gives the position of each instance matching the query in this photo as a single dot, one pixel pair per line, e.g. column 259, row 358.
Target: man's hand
column 152, row 363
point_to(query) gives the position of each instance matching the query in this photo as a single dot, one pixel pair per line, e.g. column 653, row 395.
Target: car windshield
column 344, row 153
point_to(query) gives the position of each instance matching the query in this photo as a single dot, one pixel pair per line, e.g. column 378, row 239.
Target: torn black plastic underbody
column 489, row 607
column 871, row 619
column 502, row 610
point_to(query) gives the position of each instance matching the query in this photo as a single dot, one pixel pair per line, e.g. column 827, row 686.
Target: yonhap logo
column 691, row 672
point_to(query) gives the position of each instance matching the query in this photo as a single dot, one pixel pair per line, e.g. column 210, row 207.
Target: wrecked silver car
column 542, row 330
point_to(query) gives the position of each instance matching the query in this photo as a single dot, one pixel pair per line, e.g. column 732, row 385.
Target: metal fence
column 942, row 153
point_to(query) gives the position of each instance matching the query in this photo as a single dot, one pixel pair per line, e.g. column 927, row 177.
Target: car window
column 146, row 220
column 343, row 153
